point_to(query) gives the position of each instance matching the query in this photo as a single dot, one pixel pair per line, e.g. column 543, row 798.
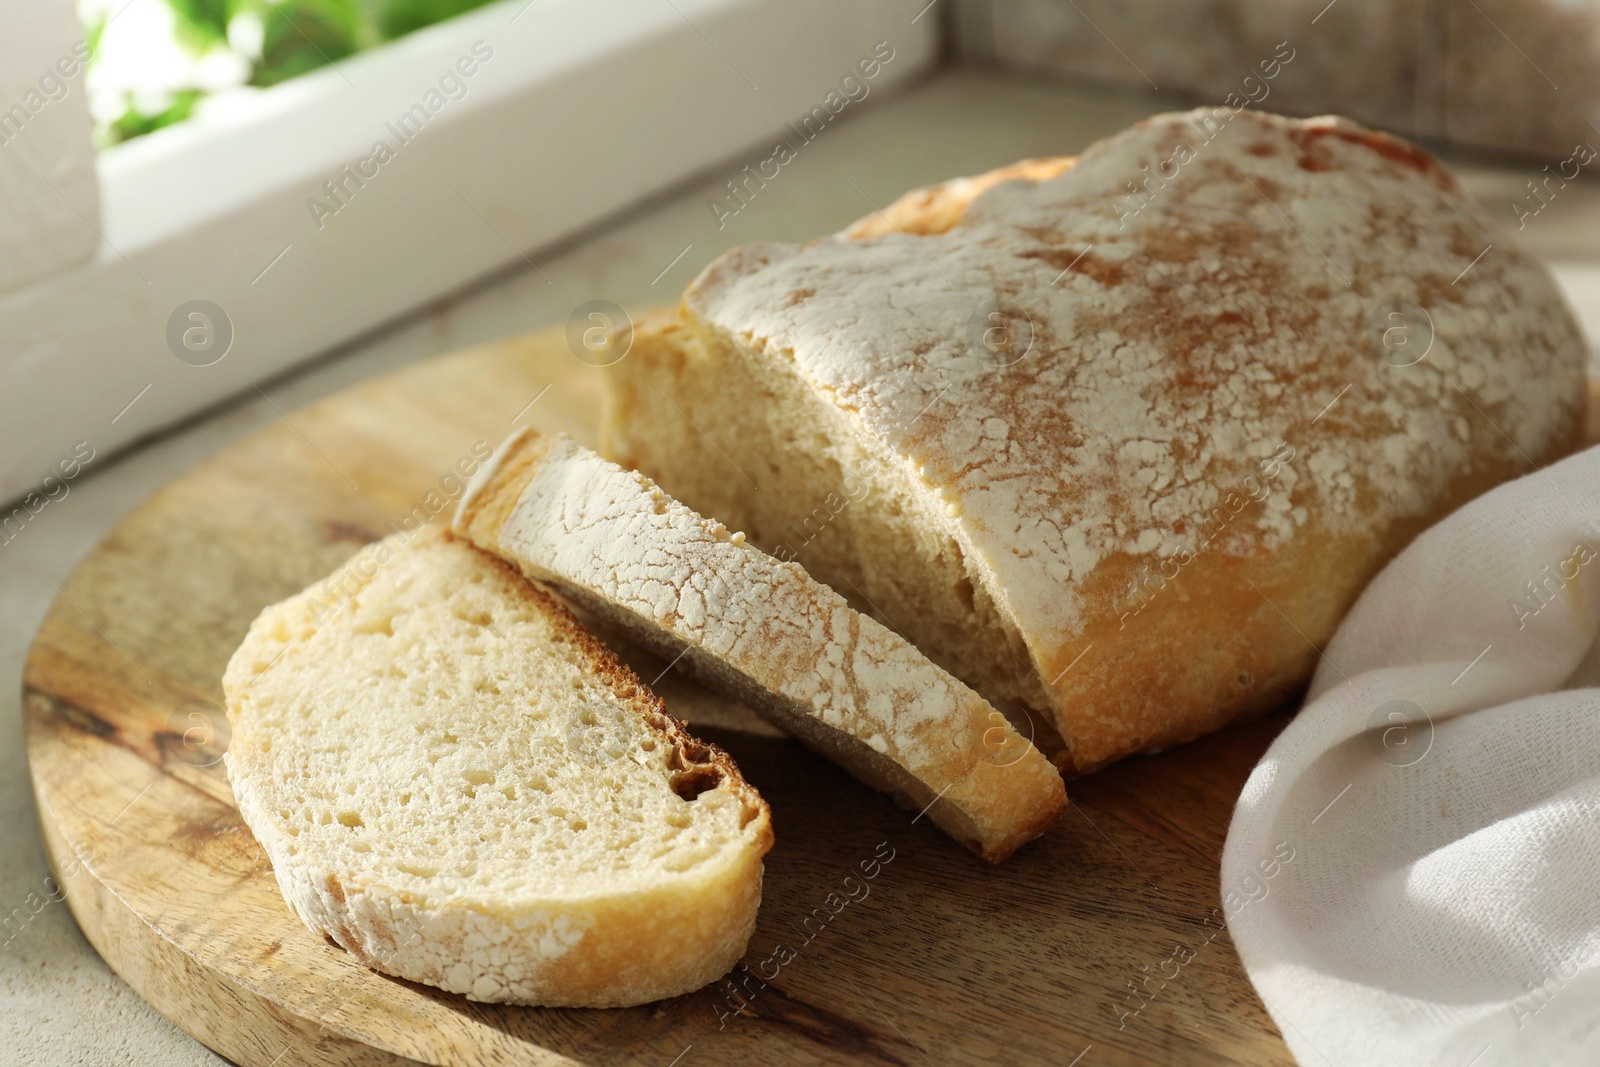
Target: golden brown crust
column 508, row 472
column 937, row 208
column 1235, row 637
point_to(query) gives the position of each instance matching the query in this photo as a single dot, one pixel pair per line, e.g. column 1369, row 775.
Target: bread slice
column 461, row 786
column 765, row 632
column 1128, row 434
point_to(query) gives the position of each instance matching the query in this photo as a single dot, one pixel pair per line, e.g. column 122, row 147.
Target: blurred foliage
column 201, row 23
column 134, row 123
column 296, row 36
column 396, row 18
column 302, row 35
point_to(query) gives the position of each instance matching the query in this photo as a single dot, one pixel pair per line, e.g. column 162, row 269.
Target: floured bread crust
column 1172, row 497
column 449, row 913
column 765, row 632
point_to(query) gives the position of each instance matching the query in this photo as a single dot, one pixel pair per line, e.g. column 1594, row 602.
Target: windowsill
column 340, row 202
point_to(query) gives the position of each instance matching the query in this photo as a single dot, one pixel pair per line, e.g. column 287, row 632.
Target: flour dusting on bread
column 1208, row 377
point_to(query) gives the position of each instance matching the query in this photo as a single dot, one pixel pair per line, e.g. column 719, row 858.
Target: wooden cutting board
column 1097, row 944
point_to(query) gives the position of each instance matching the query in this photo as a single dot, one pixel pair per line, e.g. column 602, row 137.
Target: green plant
column 295, row 36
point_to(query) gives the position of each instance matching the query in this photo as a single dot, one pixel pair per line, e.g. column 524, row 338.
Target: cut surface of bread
column 1121, row 457
column 460, row 785
column 764, row 631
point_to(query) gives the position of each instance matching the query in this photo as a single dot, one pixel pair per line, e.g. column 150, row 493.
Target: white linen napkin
column 1412, row 875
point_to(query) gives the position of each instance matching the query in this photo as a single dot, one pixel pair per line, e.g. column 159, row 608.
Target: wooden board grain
column 945, row 961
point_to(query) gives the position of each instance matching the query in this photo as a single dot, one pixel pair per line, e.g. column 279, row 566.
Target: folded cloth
column 1412, row 875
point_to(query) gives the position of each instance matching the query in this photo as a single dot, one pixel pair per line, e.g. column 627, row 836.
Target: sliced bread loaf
column 764, row 632
column 460, row 785
column 1124, row 455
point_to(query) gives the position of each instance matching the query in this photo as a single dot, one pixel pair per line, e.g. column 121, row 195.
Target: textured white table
column 59, row 1004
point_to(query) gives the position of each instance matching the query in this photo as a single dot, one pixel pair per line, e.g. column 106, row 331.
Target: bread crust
column 939, row 207
column 1176, row 496
column 764, row 632
column 607, row 949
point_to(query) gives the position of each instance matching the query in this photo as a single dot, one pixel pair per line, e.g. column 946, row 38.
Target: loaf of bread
column 458, row 784
column 1116, row 440
column 762, row 631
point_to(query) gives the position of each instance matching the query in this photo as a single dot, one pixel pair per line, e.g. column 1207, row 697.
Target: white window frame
column 584, row 108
